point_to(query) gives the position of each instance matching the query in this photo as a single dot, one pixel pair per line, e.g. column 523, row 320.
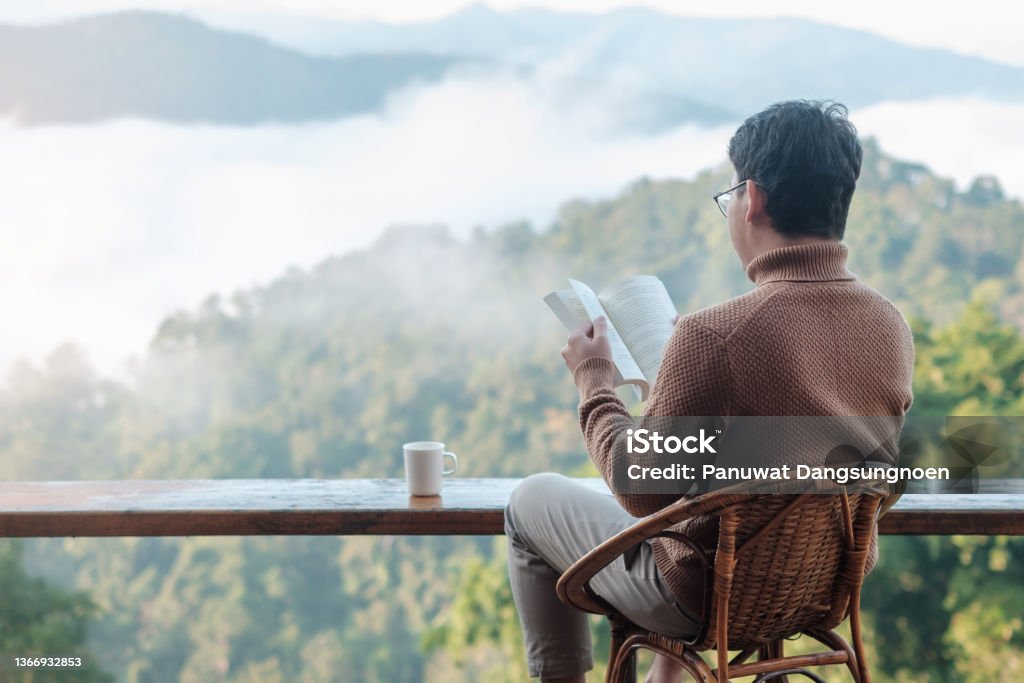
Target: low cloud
column 106, row 229
column 956, row 138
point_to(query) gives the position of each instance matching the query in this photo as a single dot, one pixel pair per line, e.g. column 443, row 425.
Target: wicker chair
column 784, row 565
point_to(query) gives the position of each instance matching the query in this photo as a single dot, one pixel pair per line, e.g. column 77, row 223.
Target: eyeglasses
column 725, row 196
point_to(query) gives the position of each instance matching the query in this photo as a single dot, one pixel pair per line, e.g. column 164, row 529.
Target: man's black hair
column 806, row 156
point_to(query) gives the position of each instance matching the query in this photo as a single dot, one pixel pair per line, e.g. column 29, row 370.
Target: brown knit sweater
column 809, row 339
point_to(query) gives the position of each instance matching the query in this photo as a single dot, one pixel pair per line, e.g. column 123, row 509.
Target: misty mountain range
column 172, row 68
column 736, row 63
column 667, row 69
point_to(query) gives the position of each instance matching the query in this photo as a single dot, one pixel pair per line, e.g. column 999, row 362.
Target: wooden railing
column 245, row 507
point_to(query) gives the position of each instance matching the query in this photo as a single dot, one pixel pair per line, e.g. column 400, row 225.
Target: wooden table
column 244, row 507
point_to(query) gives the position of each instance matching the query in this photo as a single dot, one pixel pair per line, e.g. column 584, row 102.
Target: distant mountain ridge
column 738, row 64
column 170, row 67
column 659, row 70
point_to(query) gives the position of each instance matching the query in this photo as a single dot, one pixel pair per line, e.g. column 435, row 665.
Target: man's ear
column 756, row 201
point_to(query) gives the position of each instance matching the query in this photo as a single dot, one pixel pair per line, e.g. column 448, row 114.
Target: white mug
column 424, row 466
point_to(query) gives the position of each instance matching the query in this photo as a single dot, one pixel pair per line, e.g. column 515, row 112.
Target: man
column 809, row 339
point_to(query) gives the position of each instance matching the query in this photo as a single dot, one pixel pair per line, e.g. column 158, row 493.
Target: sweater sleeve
column 693, row 380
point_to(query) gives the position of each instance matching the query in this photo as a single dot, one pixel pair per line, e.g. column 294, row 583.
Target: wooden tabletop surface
column 242, row 507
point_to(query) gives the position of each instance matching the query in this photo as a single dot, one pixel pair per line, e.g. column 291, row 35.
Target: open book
column 640, row 317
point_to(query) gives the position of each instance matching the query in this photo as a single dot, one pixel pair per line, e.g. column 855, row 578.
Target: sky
column 988, row 28
column 153, row 218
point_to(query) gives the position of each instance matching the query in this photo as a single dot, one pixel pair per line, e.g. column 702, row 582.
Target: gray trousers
column 550, row 522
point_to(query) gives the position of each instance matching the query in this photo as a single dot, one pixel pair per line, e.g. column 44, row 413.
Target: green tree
column 37, row 619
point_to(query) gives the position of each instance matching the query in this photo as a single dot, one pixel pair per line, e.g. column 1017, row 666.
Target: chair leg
column 626, row 670
column 858, row 642
column 691, row 662
column 697, row 668
column 835, row 641
column 773, row 650
column 621, row 662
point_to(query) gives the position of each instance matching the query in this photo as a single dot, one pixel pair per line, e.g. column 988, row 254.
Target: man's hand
column 587, row 341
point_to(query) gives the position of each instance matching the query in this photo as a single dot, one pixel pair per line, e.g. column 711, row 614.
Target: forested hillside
column 326, row 372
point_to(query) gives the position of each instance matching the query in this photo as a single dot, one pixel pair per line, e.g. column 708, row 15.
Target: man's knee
column 537, row 487
column 530, row 495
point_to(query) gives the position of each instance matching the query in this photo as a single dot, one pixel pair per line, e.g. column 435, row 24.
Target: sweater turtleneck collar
column 810, row 262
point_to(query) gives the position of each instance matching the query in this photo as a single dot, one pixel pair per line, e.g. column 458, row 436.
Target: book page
column 644, row 316
column 628, row 368
column 568, row 307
